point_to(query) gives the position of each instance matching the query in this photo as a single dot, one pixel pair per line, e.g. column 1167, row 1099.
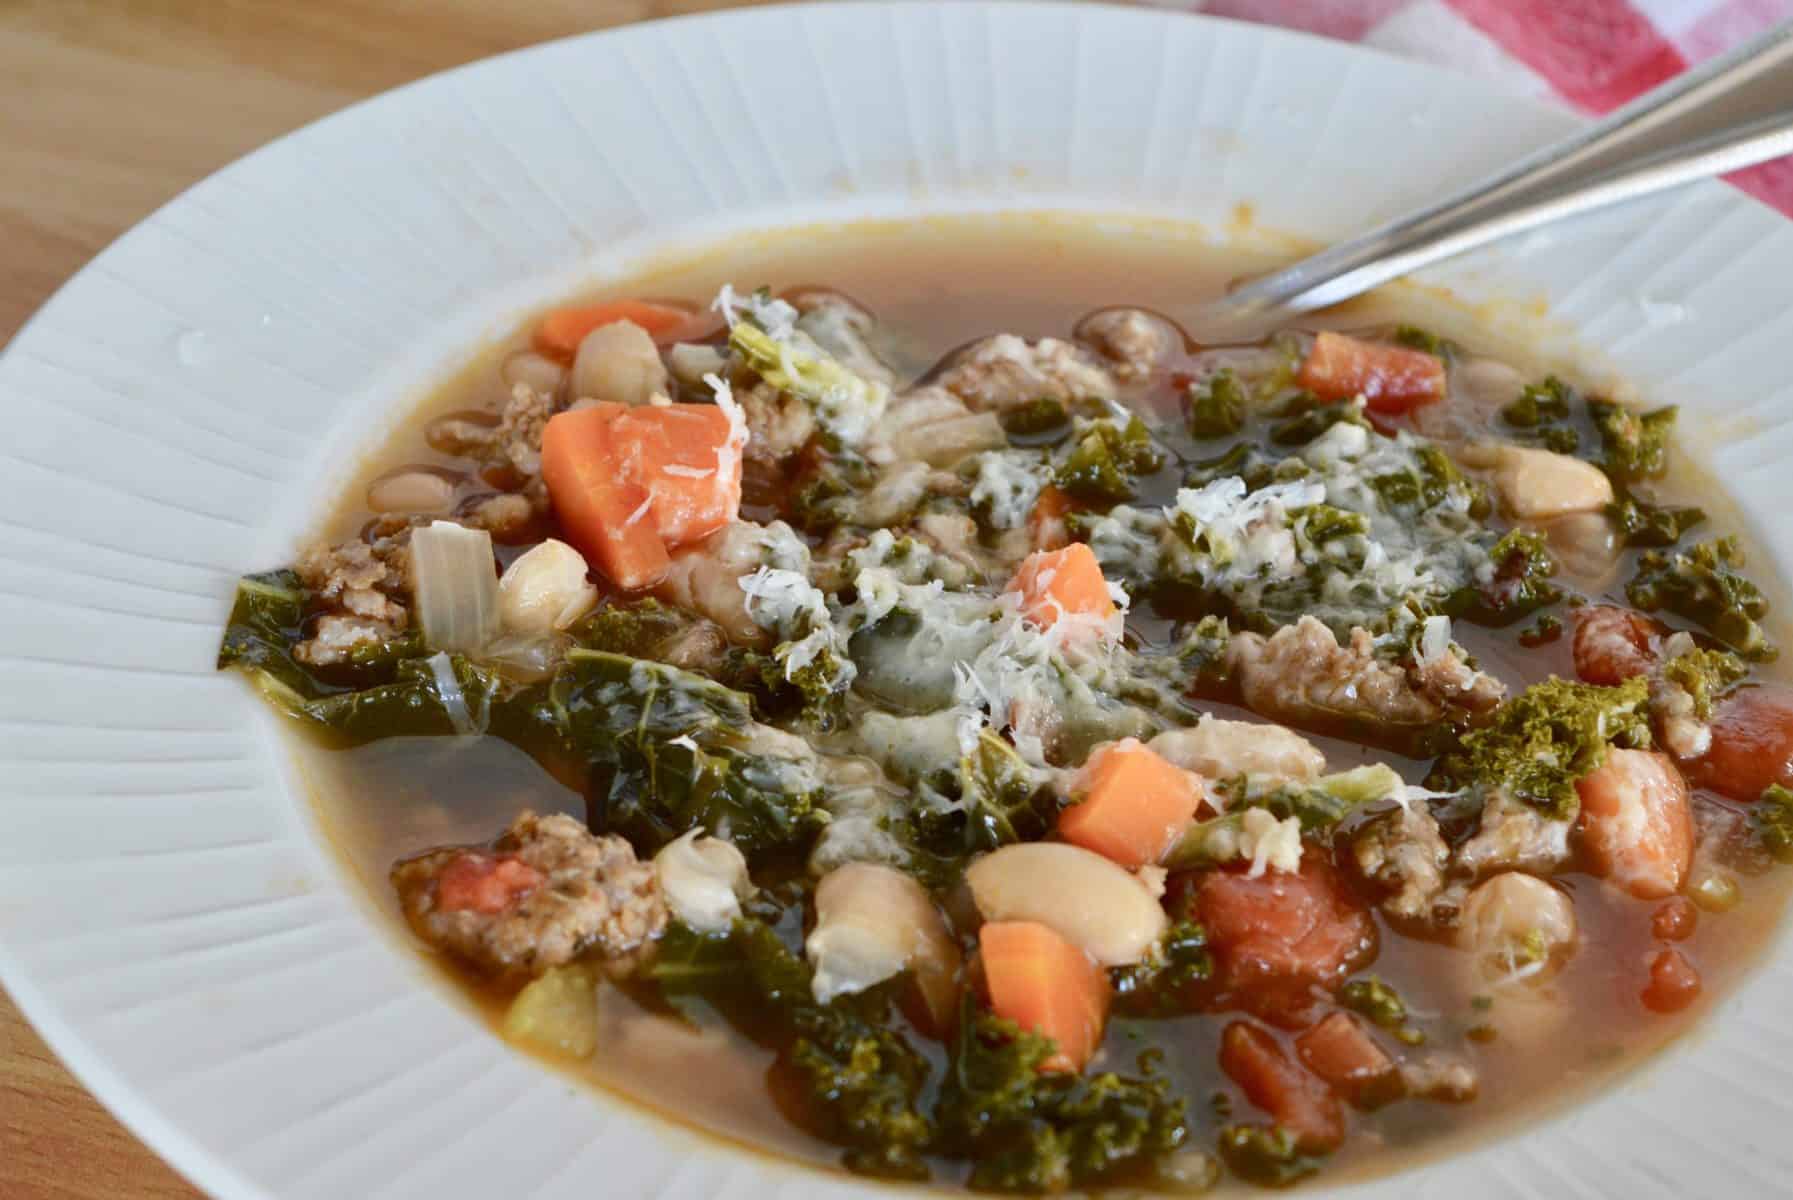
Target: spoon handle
column 1733, row 112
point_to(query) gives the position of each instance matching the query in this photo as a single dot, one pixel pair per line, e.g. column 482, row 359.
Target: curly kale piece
column 1104, row 465
column 1168, row 983
column 1303, row 417
column 1266, row 1155
column 1633, row 445
column 1523, row 567
column 1703, row 584
column 1025, row 1131
column 1771, row 819
column 1415, row 338
column 1381, row 1005
column 861, row 1082
column 637, row 628
column 1319, row 805
column 1000, row 800
column 1217, row 406
column 1539, row 743
column 1436, row 481
column 1705, row 675
column 1544, row 415
column 1038, row 422
column 1644, row 524
column 670, row 750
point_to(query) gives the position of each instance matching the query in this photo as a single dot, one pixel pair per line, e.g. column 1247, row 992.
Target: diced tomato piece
column 1636, row 823
column 1674, row 983
column 678, row 453
column 480, row 883
column 1047, row 986
column 1046, row 528
column 1752, row 745
column 562, row 329
column 1392, row 379
column 1279, row 937
column 1614, row 644
column 1062, row 583
column 1342, row 1052
column 1675, row 920
column 1274, row 1082
column 1135, row 804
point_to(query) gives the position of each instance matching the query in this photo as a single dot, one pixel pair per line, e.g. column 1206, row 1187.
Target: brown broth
column 939, row 284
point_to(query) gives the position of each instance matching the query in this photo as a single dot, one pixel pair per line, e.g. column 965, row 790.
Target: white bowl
column 179, row 412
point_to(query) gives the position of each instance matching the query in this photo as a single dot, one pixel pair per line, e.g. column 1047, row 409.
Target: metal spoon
column 1732, row 112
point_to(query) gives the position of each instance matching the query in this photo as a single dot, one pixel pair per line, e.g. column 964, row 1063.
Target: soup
column 888, row 696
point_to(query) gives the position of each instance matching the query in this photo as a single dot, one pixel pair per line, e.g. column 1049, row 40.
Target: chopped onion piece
column 456, row 579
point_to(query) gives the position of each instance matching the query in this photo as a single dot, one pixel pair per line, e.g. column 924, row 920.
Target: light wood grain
column 106, row 112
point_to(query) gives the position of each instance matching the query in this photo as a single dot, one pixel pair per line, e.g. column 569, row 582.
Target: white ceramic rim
column 168, row 918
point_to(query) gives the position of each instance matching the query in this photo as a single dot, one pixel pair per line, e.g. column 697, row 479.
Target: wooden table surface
column 107, row 110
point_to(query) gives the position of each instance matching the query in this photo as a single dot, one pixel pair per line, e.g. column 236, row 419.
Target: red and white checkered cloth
column 1595, row 54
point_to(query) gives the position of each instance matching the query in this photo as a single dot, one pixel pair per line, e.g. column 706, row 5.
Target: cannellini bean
column 620, row 363
column 691, row 361
column 872, row 922
column 704, row 880
column 536, row 370
column 1488, row 384
column 545, row 590
column 411, row 490
column 1517, row 927
column 1586, row 544
column 946, row 442
column 1221, row 749
column 1539, row 484
column 1091, row 902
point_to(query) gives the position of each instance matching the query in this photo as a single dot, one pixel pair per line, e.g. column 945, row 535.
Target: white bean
column 872, row 922
column 1091, row 902
column 545, row 590
column 536, row 370
column 704, row 880
column 1539, row 484
column 620, row 363
column 1517, row 927
column 1488, row 384
column 1586, row 544
column 411, row 490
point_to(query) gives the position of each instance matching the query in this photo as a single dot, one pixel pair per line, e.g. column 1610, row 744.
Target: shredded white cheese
column 1007, row 484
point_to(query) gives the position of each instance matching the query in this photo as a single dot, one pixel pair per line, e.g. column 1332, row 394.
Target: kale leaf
column 1217, row 406
column 1704, row 675
column 1169, row 982
column 1703, row 584
column 1523, row 567
column 1027, row 1131
column 860, row 1081
column 1634, row 445
column 1265, row 1154
column 1001, row 800
column 1644, row 524
column 673, row 750
column 1544, row 415
column 1538, row 744
column 1771, row 818
column 1104, row 465
column 264, row 627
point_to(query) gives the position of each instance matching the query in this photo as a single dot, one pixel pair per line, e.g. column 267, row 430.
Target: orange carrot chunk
column 680, row 454
column 561, row 331
column 1046, row 521
column 1393, row 379
column 1058, row 583
column 1135, row 804
column 1047, row 986
column 607, row 517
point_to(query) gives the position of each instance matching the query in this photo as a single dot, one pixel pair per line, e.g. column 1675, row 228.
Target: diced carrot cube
column 678, row 453
column 1047, row 986
column 1393, row 379
column 607, row 517
column 1135, row 804
column 1060, row 583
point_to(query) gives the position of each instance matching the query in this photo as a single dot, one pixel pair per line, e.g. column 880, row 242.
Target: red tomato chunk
column 1674, row 983
column 1636, row 823
column 483, row 884
column 1752, row 745
column 1279, row 937
column 1613, row 644
column 1296, row 1100
column 1342, row 1052
column 1393, row 379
